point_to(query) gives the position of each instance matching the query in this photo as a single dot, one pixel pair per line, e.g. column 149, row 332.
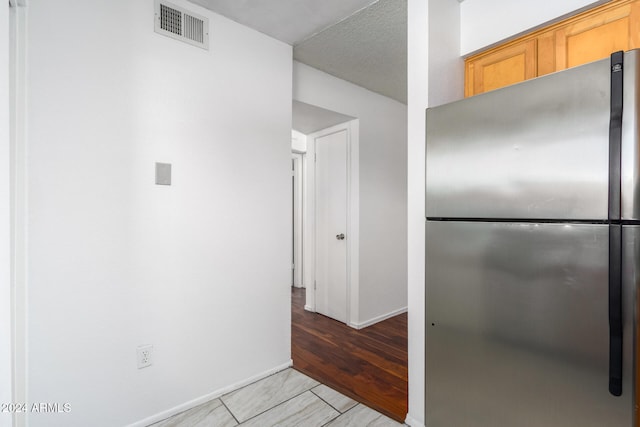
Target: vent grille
column 170, row 19
column 179, row 24
column 193, row 28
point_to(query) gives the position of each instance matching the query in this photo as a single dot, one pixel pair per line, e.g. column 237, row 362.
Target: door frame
column 298, row 159
column 353, row 219
column 17, row 203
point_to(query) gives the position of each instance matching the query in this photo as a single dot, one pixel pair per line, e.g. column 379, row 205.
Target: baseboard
column 209, row 396
column 308, row 308
column 410, row 421
column 377, row 319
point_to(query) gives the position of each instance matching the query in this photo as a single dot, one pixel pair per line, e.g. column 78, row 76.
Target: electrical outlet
column 145, row 353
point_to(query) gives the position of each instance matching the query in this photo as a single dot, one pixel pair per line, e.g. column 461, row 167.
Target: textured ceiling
column 361, row 41
column 290, row 21
column 309, row 118
column 368, row 49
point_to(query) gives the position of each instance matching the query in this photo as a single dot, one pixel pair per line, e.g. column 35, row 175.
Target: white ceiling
column 290, row 21
column 368, row 49
column 361, row 41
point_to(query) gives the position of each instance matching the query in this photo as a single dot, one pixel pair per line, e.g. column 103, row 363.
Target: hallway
column 368, row 365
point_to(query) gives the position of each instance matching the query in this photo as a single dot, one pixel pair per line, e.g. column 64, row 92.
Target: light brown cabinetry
column 586, row 37
column 512, row 64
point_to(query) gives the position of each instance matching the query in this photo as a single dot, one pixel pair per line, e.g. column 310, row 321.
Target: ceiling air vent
column 180, row 24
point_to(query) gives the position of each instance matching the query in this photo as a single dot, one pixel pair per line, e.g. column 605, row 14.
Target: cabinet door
column 501, row 68
column 596, row 37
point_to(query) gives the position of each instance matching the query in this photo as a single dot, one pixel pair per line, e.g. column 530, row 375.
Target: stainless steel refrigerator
column 533, row 252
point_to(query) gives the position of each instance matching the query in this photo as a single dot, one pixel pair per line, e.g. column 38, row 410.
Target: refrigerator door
column 518, row 328
column 536, row 150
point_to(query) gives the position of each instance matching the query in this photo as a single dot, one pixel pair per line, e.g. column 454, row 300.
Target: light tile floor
column 285, row 399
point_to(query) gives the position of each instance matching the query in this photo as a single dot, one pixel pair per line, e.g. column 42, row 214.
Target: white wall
column 382, row 176
column 417, row 102
column 435, row 76
column 446, row 67
column 5, row 220
column 487, row 22
column 199, row 269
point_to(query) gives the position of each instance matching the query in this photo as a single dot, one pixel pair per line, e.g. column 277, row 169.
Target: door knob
column 340, row 236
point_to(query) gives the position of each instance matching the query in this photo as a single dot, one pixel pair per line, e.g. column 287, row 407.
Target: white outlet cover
column 145, row 356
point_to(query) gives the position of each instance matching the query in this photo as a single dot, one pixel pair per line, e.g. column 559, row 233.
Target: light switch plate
column 163, row 173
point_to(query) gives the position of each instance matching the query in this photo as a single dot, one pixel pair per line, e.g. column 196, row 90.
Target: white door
column 331, row 225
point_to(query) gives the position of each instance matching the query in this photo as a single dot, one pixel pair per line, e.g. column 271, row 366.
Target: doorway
column 368, row 365
column 330, row 225
column 329, row 249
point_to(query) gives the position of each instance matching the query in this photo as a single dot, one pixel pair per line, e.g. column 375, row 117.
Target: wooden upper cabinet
column 502, row 67
column 595, row 37
column 586, row 37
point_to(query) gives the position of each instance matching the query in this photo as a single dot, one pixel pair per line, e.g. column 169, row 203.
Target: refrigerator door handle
column 615, row 309
column 615, row 227
column 615, row 136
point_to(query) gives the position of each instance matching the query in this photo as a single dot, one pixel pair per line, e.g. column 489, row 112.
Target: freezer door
column 517, row 325
column 537, row 150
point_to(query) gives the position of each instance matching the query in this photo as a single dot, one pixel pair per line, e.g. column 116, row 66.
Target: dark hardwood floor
column 368, row 365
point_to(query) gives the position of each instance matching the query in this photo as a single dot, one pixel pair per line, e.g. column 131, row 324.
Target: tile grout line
column 358, row 402
column 341, row 414
column 273, row 407
column 279, row 404
column 320, row 397
column 255, row 382
column 309, row 389
column 229, row 410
